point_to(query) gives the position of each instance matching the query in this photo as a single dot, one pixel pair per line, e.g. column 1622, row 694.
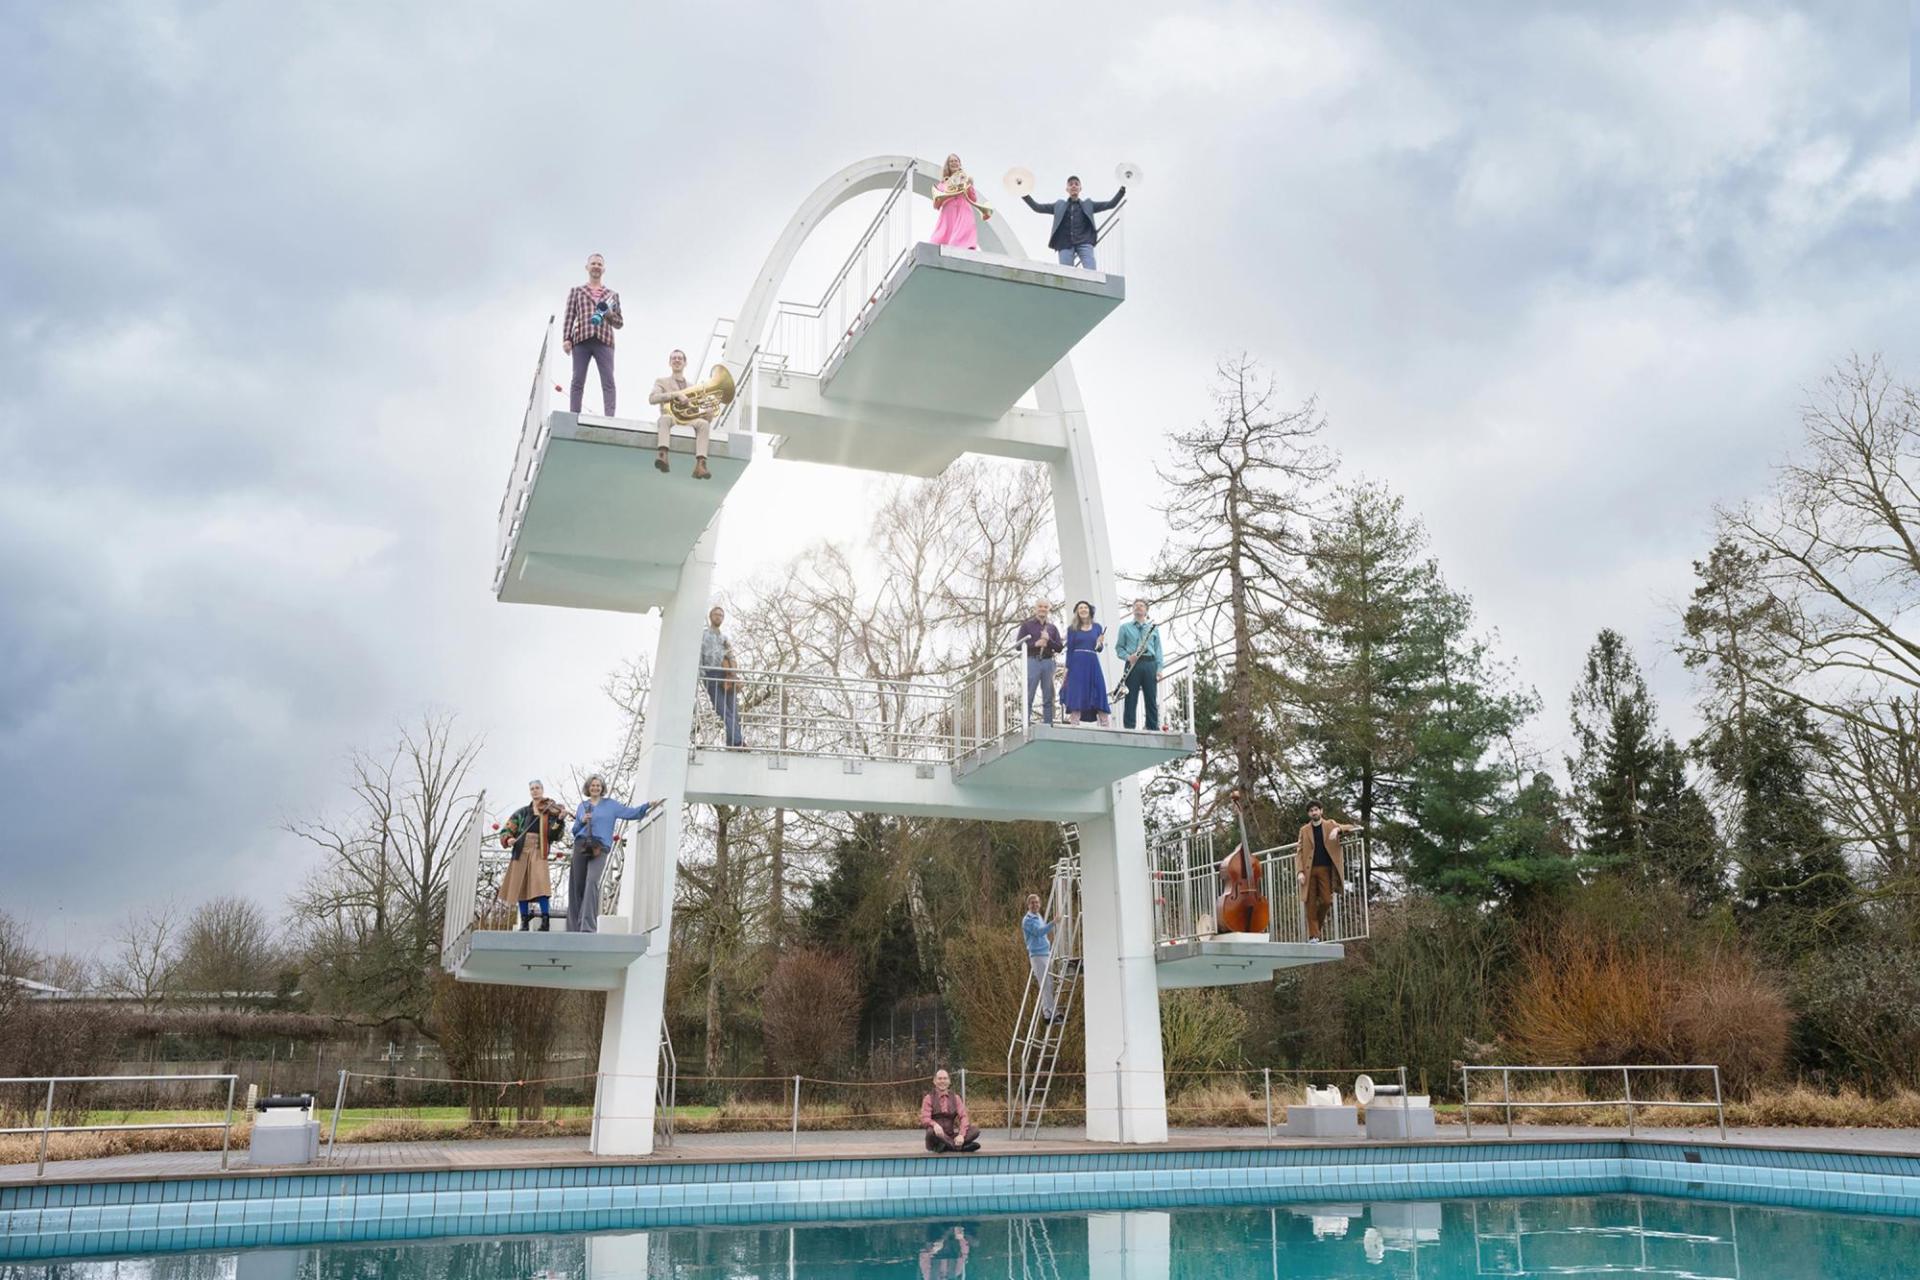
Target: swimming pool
column 1595, row 1235
column 297, row 1212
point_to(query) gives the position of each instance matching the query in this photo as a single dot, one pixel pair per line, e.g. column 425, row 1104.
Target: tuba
column 706, row 400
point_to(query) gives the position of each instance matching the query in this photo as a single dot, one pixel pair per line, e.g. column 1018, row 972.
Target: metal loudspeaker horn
column 1128, row 172
column 1365, row 1090
column 1019, row 180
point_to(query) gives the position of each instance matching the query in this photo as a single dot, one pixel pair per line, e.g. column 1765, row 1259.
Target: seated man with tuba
column 696, row 407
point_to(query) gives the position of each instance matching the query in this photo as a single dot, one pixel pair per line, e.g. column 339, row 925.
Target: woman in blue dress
column 1086, row 693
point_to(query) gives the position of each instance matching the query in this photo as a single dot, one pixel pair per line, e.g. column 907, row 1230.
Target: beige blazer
column 665, row 389
column 1303, row 861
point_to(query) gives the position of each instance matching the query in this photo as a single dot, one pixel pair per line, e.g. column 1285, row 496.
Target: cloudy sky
column 272, row 277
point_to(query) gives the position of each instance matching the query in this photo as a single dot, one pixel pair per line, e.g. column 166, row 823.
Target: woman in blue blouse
column 592, row 836
column 1086, row 692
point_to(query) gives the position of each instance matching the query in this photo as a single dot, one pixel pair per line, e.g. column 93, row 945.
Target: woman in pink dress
column 955, row 200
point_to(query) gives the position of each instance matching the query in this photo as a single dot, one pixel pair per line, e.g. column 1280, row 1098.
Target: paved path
column 511, row 1153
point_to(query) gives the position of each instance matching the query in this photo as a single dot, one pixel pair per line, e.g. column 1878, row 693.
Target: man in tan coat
column 672, row 388
column 1318, row 868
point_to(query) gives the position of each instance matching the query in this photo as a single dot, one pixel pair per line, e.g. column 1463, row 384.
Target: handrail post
column 1506, row 1092
column 1626, row 1084
column 1719, row 1106
column 1403, row 1099
column 963, row 1084
column 1266, row 1085
column 226, row 1137
column 1466, row 1099
column 796, row 1115
column 46, row 1127
column 340, row 1097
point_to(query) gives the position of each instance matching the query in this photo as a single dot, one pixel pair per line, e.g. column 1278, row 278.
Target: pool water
column 1440, row 1240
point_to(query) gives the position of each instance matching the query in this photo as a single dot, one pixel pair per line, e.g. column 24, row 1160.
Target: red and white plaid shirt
column 579, row 326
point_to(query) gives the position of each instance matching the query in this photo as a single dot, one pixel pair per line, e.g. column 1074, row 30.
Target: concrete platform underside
column 722, row 1148
column 967, row 333
column 1207, row 962
column 760, row 779
column 576, row 961
column 602, row 528
column 1071, row 757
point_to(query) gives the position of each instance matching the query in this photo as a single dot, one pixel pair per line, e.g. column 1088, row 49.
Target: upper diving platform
column 587, row 521
column 917, row 352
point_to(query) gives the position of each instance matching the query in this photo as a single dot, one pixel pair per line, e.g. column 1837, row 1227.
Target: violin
column 1242, row 907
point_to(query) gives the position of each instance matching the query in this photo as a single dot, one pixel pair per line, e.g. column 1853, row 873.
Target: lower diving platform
column 1232, row 959
column 577, row 961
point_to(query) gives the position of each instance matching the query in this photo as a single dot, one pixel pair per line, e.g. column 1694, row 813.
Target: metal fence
column 1187, row 887
column 991, row 704
column 46, row 1128
column 1508, row 1103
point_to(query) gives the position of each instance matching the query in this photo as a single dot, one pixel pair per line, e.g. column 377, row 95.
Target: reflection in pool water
column 1580, row 1236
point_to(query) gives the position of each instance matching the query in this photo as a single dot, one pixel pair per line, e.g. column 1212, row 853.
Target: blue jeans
column 1084, row 252
column 1040, row 673
column 726, row 705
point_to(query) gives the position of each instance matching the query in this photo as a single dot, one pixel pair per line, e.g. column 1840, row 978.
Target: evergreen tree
column 1793, row 882
column 1639, row 812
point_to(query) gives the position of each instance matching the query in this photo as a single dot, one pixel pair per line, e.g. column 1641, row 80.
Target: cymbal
column 1128, row 172
column 1018, row 180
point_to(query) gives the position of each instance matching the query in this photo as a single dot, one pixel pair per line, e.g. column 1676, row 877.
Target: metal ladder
column 1035, row 1047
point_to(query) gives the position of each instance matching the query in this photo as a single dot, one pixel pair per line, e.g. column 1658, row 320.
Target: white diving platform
column 921, row 789
column 1071, row 757
column 1234, row 959
column 587, row 521
column 578, row 961
column 929, row 365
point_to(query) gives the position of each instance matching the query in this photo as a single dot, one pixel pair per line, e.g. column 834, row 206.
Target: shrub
column 1585, row 998
column 1726, row 1012
column 1860, row 1006
column 810, row 1011
column 1200, row 1030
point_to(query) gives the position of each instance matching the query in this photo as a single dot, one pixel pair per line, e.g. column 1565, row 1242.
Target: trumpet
column 704, row 401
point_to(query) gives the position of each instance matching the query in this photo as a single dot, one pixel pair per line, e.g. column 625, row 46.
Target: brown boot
column 700, row 471
column 660, row 463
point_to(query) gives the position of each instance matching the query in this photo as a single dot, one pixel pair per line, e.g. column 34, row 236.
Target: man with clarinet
column 1139, row 648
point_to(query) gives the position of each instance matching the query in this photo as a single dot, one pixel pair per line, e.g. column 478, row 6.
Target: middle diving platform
column 968, row 748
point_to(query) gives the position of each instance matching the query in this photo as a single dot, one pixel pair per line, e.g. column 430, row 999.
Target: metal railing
column 990, row 703
column 527, row 457
column 1187, row 888
column 1626, row 1099
column 463, row 884
column 46, row 1128
column 810, row 335
column 856, row 717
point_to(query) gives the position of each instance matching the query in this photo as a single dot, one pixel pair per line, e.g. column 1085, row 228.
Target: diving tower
column 914, row 355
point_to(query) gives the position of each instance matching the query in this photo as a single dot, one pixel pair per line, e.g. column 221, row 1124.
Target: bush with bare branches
column 809, row 1012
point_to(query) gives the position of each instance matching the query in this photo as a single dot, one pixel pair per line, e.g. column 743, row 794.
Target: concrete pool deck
column 703, row 1148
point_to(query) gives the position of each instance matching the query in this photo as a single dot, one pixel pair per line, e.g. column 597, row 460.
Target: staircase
column 1036, row 1041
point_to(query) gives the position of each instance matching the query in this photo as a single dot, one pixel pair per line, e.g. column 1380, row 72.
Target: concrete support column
column 1137, row 1245
column 1126, row 1091
column 630, row 1039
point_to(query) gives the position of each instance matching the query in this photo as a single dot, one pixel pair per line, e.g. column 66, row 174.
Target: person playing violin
column 1319, row 864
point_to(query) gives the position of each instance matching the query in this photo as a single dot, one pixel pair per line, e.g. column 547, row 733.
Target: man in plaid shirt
column 593, row 313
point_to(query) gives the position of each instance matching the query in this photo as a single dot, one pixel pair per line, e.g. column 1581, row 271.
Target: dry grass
column 403, row 1130
column 1219, row 1104
column 1796, row 1107
column 25, row 1148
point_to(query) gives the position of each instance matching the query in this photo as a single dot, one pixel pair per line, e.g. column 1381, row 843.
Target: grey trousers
column 584, row 873
column 1040, row 672
column 601, row 353
column 1043, row 974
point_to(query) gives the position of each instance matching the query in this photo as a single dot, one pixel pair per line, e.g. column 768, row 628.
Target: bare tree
column 226, row 949
column 1835, row 551
column 146, row 954
column 370, row 916
column 1244, row 495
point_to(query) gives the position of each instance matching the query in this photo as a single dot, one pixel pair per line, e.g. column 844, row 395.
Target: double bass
column 1242, row 907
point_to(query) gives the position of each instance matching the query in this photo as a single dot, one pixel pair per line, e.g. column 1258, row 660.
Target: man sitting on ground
column 943, row 1114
